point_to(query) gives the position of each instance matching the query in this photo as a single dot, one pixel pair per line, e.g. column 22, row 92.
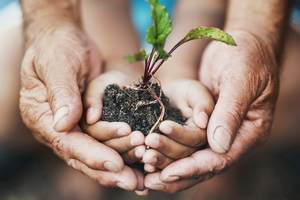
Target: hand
column 116, row 135
column 245, row 82
column 196, row 104
column 55, row 69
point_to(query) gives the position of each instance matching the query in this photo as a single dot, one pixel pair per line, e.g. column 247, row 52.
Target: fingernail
column 142, row 192
column 154, row 143
column 110, row 166
column 168, row 128
column 122, row 185
column 223, row 137
column 171, row 179
column 139, row 153
column 149, row 168
column 89, row 115
column 153, row 161
column 122, row 132
column 202, row 120
column 134, row 141
column 158, row 186
column 60, row 113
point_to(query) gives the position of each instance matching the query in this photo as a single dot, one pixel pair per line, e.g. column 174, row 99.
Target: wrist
column 265, row 20
column 272, row 41
column 40, row 17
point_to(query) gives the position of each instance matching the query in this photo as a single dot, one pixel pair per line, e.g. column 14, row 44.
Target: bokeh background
column 30, row 171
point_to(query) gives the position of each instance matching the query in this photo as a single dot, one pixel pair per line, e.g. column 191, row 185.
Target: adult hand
column 196, row 104
column 55, row 69
column 245, row 83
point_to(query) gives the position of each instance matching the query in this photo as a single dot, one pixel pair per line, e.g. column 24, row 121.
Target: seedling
column 157, row 34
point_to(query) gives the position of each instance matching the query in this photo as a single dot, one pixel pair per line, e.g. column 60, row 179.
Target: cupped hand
column 196, row 104
column 117, row 135
column 245, row 82
column 55, row 69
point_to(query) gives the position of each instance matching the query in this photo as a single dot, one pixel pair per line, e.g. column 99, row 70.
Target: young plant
column 156, row 35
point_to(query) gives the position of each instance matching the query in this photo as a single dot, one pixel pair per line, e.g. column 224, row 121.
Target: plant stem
column 155, row 68
column 147, row 66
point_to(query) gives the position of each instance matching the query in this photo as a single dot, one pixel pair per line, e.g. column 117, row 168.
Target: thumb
column 227, row 117
column 64, row 99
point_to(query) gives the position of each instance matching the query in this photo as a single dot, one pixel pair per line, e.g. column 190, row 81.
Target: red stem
column 154, row 69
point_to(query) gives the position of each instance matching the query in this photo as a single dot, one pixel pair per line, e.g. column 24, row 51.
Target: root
column 162, row 114
column 144, row 103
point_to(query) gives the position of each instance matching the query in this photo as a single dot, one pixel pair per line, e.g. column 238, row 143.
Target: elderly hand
column 55, row 69
column 245, row 83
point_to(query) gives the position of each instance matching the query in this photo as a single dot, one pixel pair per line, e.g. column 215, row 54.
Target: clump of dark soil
column 136, row 106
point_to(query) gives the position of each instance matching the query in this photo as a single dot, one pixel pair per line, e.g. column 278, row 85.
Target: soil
column 136, row 106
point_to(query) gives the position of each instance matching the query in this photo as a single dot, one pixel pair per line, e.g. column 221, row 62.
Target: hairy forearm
column 190, row 14
column 266, row 20
column 44, row 15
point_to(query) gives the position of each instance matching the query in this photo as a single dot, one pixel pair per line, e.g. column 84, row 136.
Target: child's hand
column 196, row 104
column 116, row 135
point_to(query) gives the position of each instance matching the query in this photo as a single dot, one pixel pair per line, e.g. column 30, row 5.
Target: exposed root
column 162, row 114
column 144, row 103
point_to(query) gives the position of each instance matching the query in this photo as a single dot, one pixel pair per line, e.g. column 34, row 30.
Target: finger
column 206, row 163
column 92, row 100
column 167, row 146
column 134, row 155
column 140, row 189
column 95, row 91
column 156, row 159
column 189, row 135
column 65, row 100
column 153, row 182
column 103, row 130
column 64, row 86
column 150, row 168
column 78, row 146
column 126, row 143
column 174, row 178
column 227, row 117
column 200, row 100
column 195, row 100
column 142, row 192
column 125, row 179
column 68, row 145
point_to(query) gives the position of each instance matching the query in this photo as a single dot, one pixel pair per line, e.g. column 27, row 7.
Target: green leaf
column 161, row 25
column 162, row 53
column 142, row 55
column 209, row 33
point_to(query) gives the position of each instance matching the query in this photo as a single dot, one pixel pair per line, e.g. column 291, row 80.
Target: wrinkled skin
column 53, row 78
column 245, row 82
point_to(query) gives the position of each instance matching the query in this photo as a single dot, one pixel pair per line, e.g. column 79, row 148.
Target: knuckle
column 234, row 112
column 64, row 91
column 32, row 111
column 59, row 147
column 92, row 162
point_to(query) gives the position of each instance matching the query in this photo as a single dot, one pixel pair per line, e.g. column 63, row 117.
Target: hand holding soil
column 179, row 141
column 117, row 135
